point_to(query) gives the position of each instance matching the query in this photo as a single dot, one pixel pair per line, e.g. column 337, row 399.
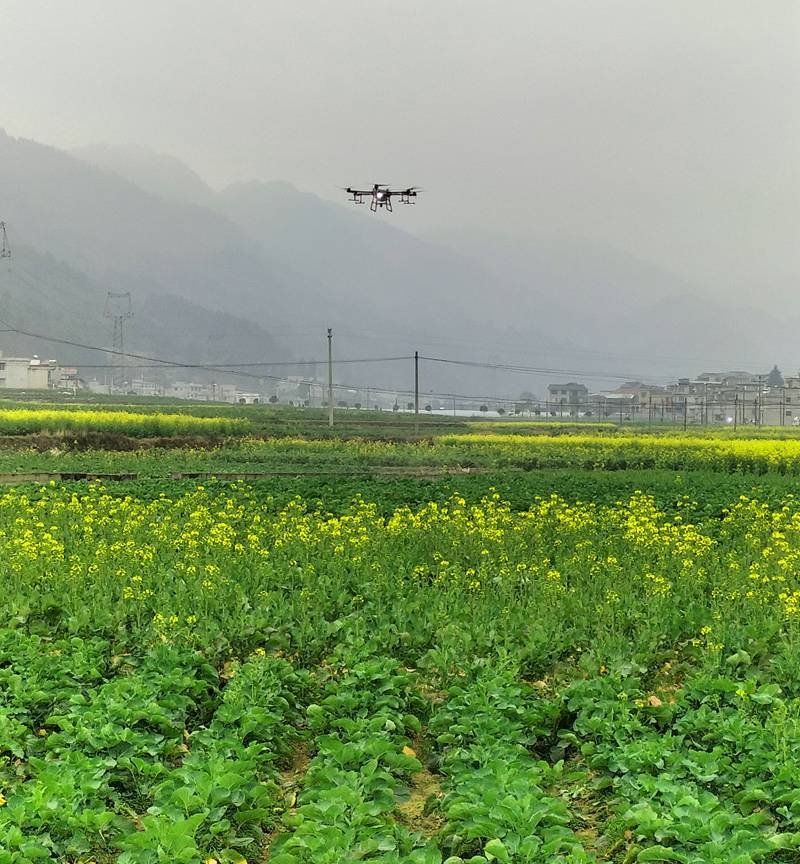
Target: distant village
column 728, row 398
column 711, row 397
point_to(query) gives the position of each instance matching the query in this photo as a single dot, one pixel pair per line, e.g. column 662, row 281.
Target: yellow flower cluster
column 642, row 450
column 28, row 420
column 174, row 564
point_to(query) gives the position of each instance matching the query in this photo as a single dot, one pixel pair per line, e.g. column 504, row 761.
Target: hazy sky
column 670, row 128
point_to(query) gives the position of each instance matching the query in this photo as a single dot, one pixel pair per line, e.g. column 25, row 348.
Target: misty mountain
column 129, row 240
column 561, row 302
column 606, row 310
column 358, row 270
column 266, row 253
column 42, row 295
column 156, row 173
column 266, row 268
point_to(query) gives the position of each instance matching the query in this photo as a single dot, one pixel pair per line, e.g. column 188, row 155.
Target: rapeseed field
column 219, row 675
column 21, row 421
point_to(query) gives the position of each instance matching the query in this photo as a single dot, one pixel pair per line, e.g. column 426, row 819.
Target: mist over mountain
column 258, row 270
column 286, row 262
column 358, row 272
column 156, row 173
column 368, row 274
column 42, row 295
column 127, row 239
column 603, row 309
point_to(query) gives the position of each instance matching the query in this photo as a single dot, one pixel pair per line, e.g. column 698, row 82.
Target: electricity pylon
column 118, row 308
column 5, row 252
column 5, row 249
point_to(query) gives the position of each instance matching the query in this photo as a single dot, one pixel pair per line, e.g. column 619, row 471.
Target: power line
column 237, row 369
column 510, row 367
column 161, row 363
column 421, row 337
column 532, row 370
column 271, row 363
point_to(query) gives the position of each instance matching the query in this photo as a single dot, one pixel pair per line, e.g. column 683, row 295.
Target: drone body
column 381, row 196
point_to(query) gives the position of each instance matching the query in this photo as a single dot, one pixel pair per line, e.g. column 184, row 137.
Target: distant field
column 630, row 450
column 267, row 420
column 54, row 421
column 288, row 421
column 460, row 452
column 524, row 426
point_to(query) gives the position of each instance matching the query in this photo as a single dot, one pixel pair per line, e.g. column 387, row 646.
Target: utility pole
column 118, row 308
column 735, row 409
column 416, row 392
column 685, row 411
column 330, row 378
column 760, row 399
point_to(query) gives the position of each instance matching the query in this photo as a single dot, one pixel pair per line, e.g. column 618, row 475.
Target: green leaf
column 495, row 849
column 660, row 853
column 740, row 658
column 426, row 855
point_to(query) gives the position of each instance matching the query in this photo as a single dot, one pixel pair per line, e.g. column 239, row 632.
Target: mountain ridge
column 291, row 264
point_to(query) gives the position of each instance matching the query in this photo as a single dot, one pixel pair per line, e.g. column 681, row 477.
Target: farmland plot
column 216, row 675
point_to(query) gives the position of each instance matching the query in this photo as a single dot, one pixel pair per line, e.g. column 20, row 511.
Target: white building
column 27, row 373
column 142, row 387
column 201, row 392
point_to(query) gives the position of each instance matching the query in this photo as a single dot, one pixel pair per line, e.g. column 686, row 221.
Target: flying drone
column 381, row 196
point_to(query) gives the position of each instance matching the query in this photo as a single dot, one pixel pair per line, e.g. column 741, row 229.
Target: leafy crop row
column 67, row 797
column 222, row 798
column 496, row 801
column 363, row 759
column 640, row 452
column 705, row 773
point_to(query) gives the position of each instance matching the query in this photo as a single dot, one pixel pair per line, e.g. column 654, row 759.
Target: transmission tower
column 5, row 253
column 5, row 249
column 118, row 309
